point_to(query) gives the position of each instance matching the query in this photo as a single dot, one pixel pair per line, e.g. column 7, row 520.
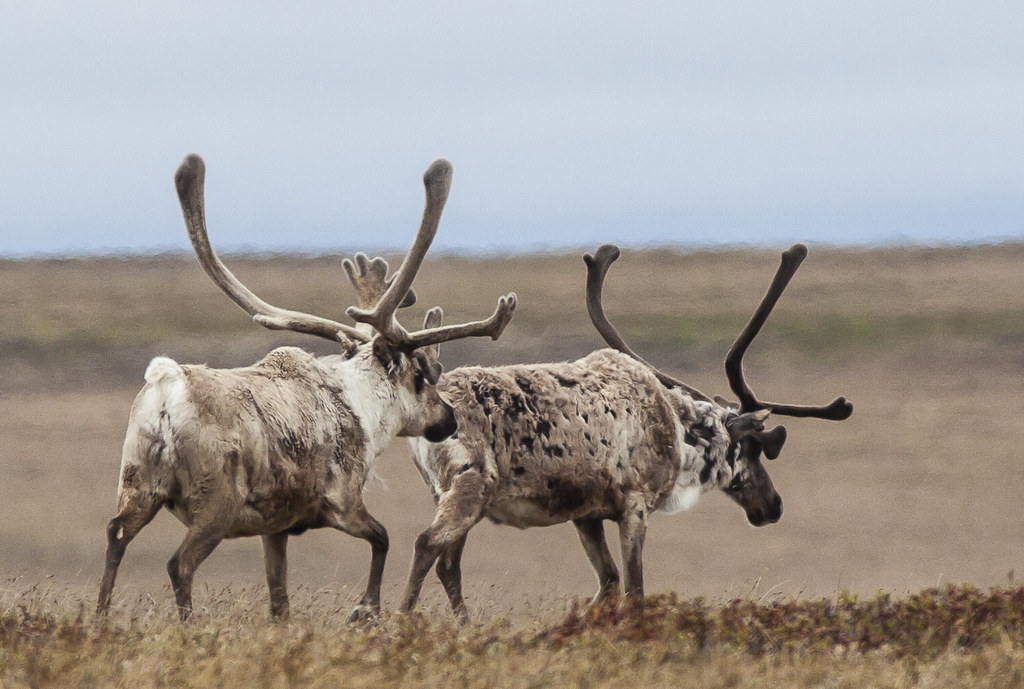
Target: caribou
column 286, row 444
column 607, row 437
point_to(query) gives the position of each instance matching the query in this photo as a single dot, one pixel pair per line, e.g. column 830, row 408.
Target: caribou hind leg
column 120, row 531
column 357, row 522
column 275, row 561
column 199, row 542
column 591, row 533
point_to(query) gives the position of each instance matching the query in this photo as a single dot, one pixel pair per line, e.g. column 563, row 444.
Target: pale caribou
column 286, row 444
column 607, row 437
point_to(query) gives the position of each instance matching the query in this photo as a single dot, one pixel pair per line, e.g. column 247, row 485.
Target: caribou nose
column 445, row 429
column 770, row 514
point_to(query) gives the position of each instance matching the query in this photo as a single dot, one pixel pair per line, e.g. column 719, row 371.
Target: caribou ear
column 432, row 354
column 772, row 441
column 431, row 367
column 722, row 402
column 432, row 370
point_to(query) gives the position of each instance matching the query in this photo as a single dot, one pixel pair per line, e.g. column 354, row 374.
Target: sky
column 569, row 124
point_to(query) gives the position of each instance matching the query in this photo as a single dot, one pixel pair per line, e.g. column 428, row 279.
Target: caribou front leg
column 591, row 533
column 632, row 530
column 457, row 511
column 275, row 560
column 359, row 523
column 449, row 571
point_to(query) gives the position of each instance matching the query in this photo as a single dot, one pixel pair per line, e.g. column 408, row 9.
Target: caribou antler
column 597, row 268
column 838, row 410
column 369, row 277
column 437, row 181
column 189, row 181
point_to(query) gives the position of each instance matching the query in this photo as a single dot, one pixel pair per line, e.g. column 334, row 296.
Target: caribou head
column 399, row 359
column 746, row 481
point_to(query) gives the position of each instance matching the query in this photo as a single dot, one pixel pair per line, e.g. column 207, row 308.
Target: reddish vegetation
column 930, row 620
column 952, row 635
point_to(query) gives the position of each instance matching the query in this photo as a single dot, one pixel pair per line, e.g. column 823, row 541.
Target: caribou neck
column 371, row 396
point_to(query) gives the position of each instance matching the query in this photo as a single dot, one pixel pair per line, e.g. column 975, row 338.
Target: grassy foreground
column 950, row 637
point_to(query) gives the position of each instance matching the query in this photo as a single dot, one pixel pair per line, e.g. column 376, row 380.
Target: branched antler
column 370, row 278
column 597, row 268
column 189, row 181
column 437, row 181
column 379, row 297
column 838, row 410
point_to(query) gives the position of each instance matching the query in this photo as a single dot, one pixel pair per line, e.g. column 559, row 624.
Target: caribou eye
column 736, row 485
column 419, row 381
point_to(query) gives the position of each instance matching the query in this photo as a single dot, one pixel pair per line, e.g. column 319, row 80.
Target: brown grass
column 956, row 636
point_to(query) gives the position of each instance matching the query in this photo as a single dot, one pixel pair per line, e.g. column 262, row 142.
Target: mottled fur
column 272, row 449
column 526, row 429
column 605, row 437
column 585, row 441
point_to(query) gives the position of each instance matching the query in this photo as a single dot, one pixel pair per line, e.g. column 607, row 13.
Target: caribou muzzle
column 443, row 429
column 768, row 513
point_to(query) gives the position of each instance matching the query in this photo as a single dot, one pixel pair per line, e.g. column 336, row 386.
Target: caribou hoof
column 461, row 615
column 364, row 614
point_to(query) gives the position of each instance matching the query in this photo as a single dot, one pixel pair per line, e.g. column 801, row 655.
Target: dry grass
column 938, row 638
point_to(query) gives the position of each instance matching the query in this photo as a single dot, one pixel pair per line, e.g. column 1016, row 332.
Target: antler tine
column 189, row 180
column 492, row 327
column 597, row 268
column 369, row 277
column 437, row 181
column 837, row 410
column 791, row 260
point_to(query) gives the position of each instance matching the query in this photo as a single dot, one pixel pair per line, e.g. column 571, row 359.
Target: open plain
column 922, row 487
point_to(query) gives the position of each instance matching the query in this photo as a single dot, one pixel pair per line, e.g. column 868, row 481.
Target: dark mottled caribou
column 607, row 437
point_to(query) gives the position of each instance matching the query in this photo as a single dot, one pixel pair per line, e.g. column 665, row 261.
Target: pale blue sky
column 569, row 124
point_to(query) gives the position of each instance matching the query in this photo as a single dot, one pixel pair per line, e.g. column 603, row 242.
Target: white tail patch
column 165, row 398
column 162, row 369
